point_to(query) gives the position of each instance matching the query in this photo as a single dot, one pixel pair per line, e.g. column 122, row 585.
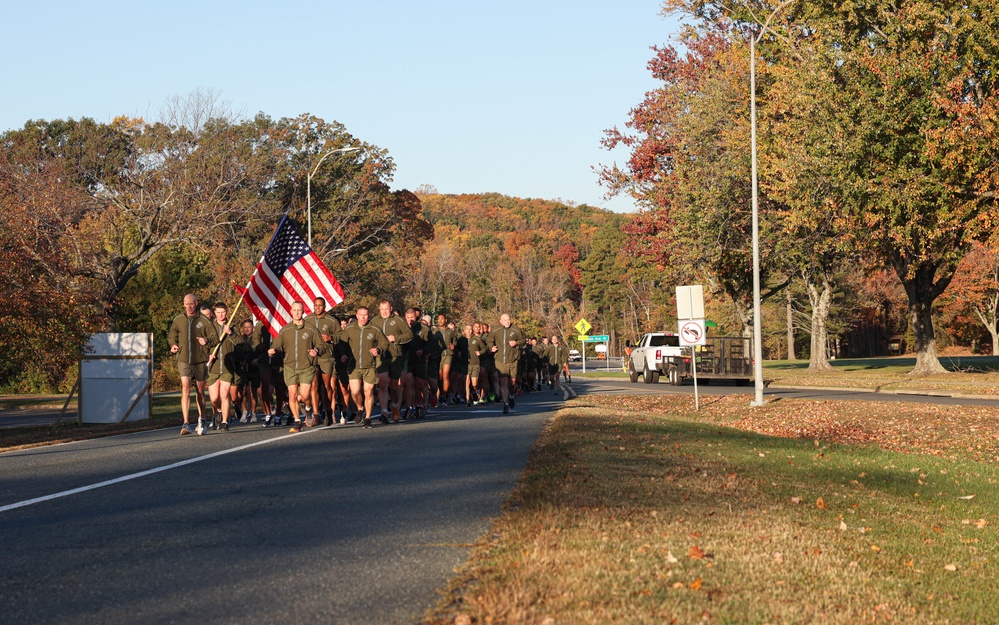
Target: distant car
column 574, row 355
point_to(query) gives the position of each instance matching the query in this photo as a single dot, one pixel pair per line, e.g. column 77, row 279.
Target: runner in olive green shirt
column 505, row 343
column 364, row 343
column 222, row 367
column 190, row 338
column 393, row 361
column 449, row 337
column 558, row 359
column 301, row 345
column 328, row 328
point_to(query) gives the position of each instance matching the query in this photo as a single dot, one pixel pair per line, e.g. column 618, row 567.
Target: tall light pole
column 308, row 184
column 757, row 321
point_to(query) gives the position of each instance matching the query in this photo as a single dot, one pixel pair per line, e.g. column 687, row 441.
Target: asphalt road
column 332, row 525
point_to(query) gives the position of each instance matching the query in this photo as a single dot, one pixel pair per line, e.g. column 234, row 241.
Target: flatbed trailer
column 721, row 358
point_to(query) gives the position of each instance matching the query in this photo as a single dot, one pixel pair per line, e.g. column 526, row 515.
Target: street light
column 308, row 184
column 757, row 321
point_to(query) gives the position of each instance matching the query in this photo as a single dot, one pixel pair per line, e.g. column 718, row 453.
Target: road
column 332, row 525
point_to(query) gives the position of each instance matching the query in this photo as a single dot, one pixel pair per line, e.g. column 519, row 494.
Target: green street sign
column 596, row 338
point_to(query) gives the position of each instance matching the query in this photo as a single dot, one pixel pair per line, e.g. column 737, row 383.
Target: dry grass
column 634, row 512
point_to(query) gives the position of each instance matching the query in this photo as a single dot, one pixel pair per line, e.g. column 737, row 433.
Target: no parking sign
column 691, row 332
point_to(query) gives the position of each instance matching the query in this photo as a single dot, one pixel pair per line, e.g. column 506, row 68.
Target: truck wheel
column 647, row 376
column 632, row 374
column 674, row 376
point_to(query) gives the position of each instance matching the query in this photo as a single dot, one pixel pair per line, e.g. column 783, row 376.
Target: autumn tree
column 971, row 301
column 690, row 168
column 919, row 80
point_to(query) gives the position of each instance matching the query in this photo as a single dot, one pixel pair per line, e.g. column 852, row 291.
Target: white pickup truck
column 646, row 358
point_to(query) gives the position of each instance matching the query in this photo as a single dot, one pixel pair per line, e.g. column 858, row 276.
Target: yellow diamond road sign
column 583, row 326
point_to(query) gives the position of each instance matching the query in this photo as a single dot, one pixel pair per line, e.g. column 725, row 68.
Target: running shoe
column 310, row 418
column 468, row 403
column 185, row 429
column 506, row 408
column 382, row 418
column 245, row 418
column 343, row 419
column 268, row 419
column 404, row 413
column 358, row 418
column 224, row 426
column 296, row 427
column 201, row 428
column 367, row 422
column 513, row 402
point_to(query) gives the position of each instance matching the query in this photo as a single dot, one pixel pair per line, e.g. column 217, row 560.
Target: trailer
column 721, row 358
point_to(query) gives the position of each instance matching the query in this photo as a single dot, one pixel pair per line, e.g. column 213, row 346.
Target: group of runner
column 329, row 370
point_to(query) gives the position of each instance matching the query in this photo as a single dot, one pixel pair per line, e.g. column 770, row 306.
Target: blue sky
column 470, row 97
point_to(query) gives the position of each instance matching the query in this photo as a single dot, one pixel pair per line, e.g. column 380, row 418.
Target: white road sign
column 691, row 332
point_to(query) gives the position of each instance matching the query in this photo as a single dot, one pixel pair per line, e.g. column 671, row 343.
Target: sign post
column 690, row 322
column 583, row 326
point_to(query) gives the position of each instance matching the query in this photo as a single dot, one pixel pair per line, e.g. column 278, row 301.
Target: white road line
column 125, row 478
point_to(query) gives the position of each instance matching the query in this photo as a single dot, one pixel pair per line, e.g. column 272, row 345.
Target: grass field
column 639, row 510
column 166, row 412
column 969, row 375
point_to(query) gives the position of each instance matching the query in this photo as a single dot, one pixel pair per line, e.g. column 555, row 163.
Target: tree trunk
column 988, row 316
column 927, row 361
column 922, row 291
column 818, row 358
column 790, row 326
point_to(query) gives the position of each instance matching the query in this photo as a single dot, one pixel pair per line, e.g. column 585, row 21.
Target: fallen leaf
column 796, row 500
column 778, row 556
column 677, row 585
column 696, row 584
column 671, row 558
column 842, row 526
column 967, row 497
column 696, row 553
column 875, row 548
column 950, row 567
column 821, row 504
column 981, row 523
column 463, row 619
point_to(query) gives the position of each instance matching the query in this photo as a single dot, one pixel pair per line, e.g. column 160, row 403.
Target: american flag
column 288, row 271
